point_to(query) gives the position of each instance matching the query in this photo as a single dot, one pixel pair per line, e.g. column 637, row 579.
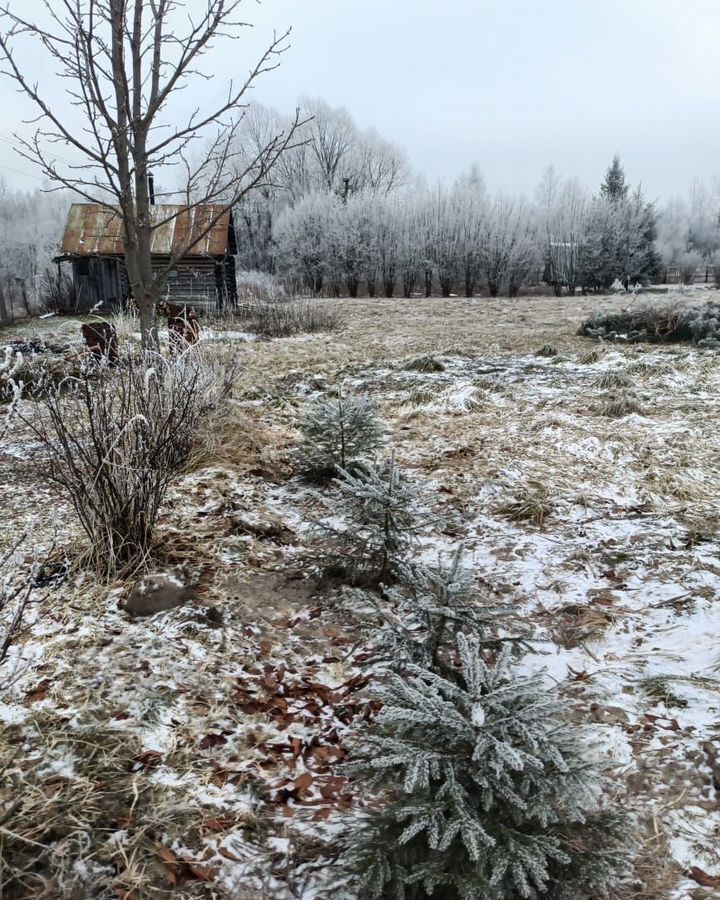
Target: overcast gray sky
column 513, row 85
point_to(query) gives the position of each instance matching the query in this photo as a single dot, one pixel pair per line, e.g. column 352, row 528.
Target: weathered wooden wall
column 99, row 280
column 103, row 280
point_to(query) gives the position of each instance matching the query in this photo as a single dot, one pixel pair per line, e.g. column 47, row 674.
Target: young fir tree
column 432, row 605
column 647, row 263
column 614, row 186
column 492, row 794
column 382, row 523
column 337, row 432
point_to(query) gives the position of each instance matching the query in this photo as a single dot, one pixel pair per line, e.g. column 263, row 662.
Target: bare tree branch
column 124, row 62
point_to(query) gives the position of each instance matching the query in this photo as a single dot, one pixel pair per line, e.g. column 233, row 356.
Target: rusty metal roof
column 93, row 229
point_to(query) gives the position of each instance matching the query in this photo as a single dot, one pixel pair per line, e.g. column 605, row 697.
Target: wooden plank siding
column 104, row 280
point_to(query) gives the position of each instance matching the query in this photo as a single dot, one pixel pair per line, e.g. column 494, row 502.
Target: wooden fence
column 701, row 275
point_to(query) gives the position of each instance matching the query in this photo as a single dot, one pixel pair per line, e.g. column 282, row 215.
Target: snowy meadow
column 205, row 750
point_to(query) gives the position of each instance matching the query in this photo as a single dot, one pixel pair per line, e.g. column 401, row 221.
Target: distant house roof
column 93, row 230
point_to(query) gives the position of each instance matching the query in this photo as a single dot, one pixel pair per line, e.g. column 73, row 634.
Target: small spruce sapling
column 431, row 606
column 337, row 433
column 491, row 792
column 382, row 524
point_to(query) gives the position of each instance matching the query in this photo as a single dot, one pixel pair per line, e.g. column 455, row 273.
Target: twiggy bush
column 254, row 286
column 337, row 432
column 490, row 791
column 10, row 386
column 383, row 520
column 18, row 587
column 57, row 293
column 115, row 437
column 284, row 318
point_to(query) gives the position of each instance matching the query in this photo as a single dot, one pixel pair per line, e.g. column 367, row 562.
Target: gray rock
column 157, row 593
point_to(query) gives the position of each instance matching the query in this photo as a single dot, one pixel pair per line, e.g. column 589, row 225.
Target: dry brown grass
column 534, row 431
column 657, row 873
column 242, row 441
column 533, row 503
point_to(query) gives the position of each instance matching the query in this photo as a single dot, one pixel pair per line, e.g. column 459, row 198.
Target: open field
column 177, row 755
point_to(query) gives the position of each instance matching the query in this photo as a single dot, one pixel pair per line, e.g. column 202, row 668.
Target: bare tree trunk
column 124, row 60
column 409, row 279
column 428, row 282
column 446, row 284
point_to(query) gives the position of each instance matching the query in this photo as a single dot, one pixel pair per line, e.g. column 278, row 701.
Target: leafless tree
column 124, row 62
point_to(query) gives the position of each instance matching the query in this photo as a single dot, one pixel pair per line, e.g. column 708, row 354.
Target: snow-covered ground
column 204, row 755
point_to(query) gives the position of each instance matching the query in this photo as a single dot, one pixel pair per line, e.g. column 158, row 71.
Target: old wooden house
column 204, row 276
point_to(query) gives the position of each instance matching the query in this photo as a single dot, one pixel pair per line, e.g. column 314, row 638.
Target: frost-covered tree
column 600, row 254
column 431, row 605
column 470, row 203
column 409, row 217
column 383, row 517
column 673, row 226
column 614, row 186
column 444, row 238
column 386, row 242
column 619, row 243
column 562, row 210
column 524, row 257
column 381, row 167
column 31, row 225
column 332, row 155
column 642, row 262
column 490, row 792
column 704, row 218
column 337, row 433
column 688, row 230
column 302, row 245
column 360, row 242
column 509, row 243
column 255, row 214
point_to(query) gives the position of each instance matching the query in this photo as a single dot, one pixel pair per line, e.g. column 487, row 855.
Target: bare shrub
column 115, row 437
column 258, row 287
column 57, row 292
column 284, row 318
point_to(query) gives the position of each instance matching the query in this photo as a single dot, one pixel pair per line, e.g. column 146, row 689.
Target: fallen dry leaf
column 39, row 692
column 702, row 878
